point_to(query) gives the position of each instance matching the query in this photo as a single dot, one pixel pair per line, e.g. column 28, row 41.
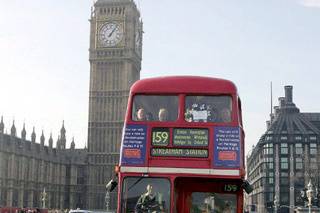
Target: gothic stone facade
column 285, row 159
column 28, row 168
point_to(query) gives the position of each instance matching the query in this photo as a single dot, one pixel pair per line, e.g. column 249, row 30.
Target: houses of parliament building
column 75, row 178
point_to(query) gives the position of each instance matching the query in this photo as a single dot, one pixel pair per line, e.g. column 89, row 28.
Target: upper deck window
column 155, row 108
column 208, row 109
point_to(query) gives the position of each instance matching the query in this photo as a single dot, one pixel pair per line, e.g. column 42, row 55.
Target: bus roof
column 184, row 84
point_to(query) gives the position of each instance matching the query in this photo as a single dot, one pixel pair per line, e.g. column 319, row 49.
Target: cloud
column 310, row 3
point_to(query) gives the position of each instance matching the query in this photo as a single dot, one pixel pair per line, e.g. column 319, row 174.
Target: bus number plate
column 160, row 136
column 230, row 188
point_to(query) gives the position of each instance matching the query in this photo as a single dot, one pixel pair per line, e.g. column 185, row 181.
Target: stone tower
column 115, row 63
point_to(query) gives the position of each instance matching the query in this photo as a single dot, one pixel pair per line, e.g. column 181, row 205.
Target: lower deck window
column 140, row 194
column 213, row 202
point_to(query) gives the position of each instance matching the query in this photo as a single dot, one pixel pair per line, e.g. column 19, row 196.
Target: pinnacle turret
column 33, row 136
column 42, row 138
column 13, row 130
column 73, row 145
column 50, row 141
column 23, row 132
column 62, row 137
column 63, row 130
column 1, row 125
column 58, row 143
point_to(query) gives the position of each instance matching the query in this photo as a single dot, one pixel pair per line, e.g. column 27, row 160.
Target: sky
column 44, row 67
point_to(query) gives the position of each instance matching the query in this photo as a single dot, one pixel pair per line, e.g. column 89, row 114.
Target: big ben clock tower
column 115, row 63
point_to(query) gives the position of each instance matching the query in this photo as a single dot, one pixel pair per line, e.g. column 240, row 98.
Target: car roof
column 79, row 210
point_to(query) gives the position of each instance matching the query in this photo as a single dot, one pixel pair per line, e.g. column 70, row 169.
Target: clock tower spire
column 115, row 64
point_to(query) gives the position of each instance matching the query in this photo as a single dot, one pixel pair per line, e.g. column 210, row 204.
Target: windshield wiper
column 135, row 183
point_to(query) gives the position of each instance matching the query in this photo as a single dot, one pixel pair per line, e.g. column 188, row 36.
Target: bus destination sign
column 190, row 137
column 172, row 152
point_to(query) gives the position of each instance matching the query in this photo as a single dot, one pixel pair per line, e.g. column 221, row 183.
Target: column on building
column 58, row 185
column 73, row 183
column 21, row 181
column 277, row 172
column 2, row 174
column 306, row 164
column 10, row 184
column 50, row 185
column 32, row 175
column 291, row 180
column 42, row 172
column 63, row 185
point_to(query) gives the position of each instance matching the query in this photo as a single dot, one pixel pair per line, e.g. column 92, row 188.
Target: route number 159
column 160, row 137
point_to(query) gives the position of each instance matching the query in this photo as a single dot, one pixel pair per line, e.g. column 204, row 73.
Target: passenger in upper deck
column 149, row 116
column 141, row 115
column 225, row 115
column 163, row 114
column 202, row 112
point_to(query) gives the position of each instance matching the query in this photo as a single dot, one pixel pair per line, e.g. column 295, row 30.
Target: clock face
column 110, row 34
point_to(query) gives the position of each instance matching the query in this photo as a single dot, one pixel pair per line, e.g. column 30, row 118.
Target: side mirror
column 247, row 187
column 111, row 185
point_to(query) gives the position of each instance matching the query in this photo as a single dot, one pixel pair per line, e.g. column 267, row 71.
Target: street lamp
column 107, row 200
column 276, row 203
column 44, row 198
column 309, row 195
column 110, row 186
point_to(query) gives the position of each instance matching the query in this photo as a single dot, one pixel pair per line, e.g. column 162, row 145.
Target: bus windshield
column 208, row 109
column 142, row 194
column 213, row 202
column 155, row 108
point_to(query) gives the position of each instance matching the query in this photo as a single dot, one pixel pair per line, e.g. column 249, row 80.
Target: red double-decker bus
column 182, row 148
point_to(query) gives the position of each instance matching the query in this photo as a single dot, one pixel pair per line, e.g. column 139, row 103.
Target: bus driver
column 147, row 202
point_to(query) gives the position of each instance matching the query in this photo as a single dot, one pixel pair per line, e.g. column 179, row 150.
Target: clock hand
column 110, row 34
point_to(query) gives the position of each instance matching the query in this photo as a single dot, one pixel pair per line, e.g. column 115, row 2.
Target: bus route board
column 190, row 137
